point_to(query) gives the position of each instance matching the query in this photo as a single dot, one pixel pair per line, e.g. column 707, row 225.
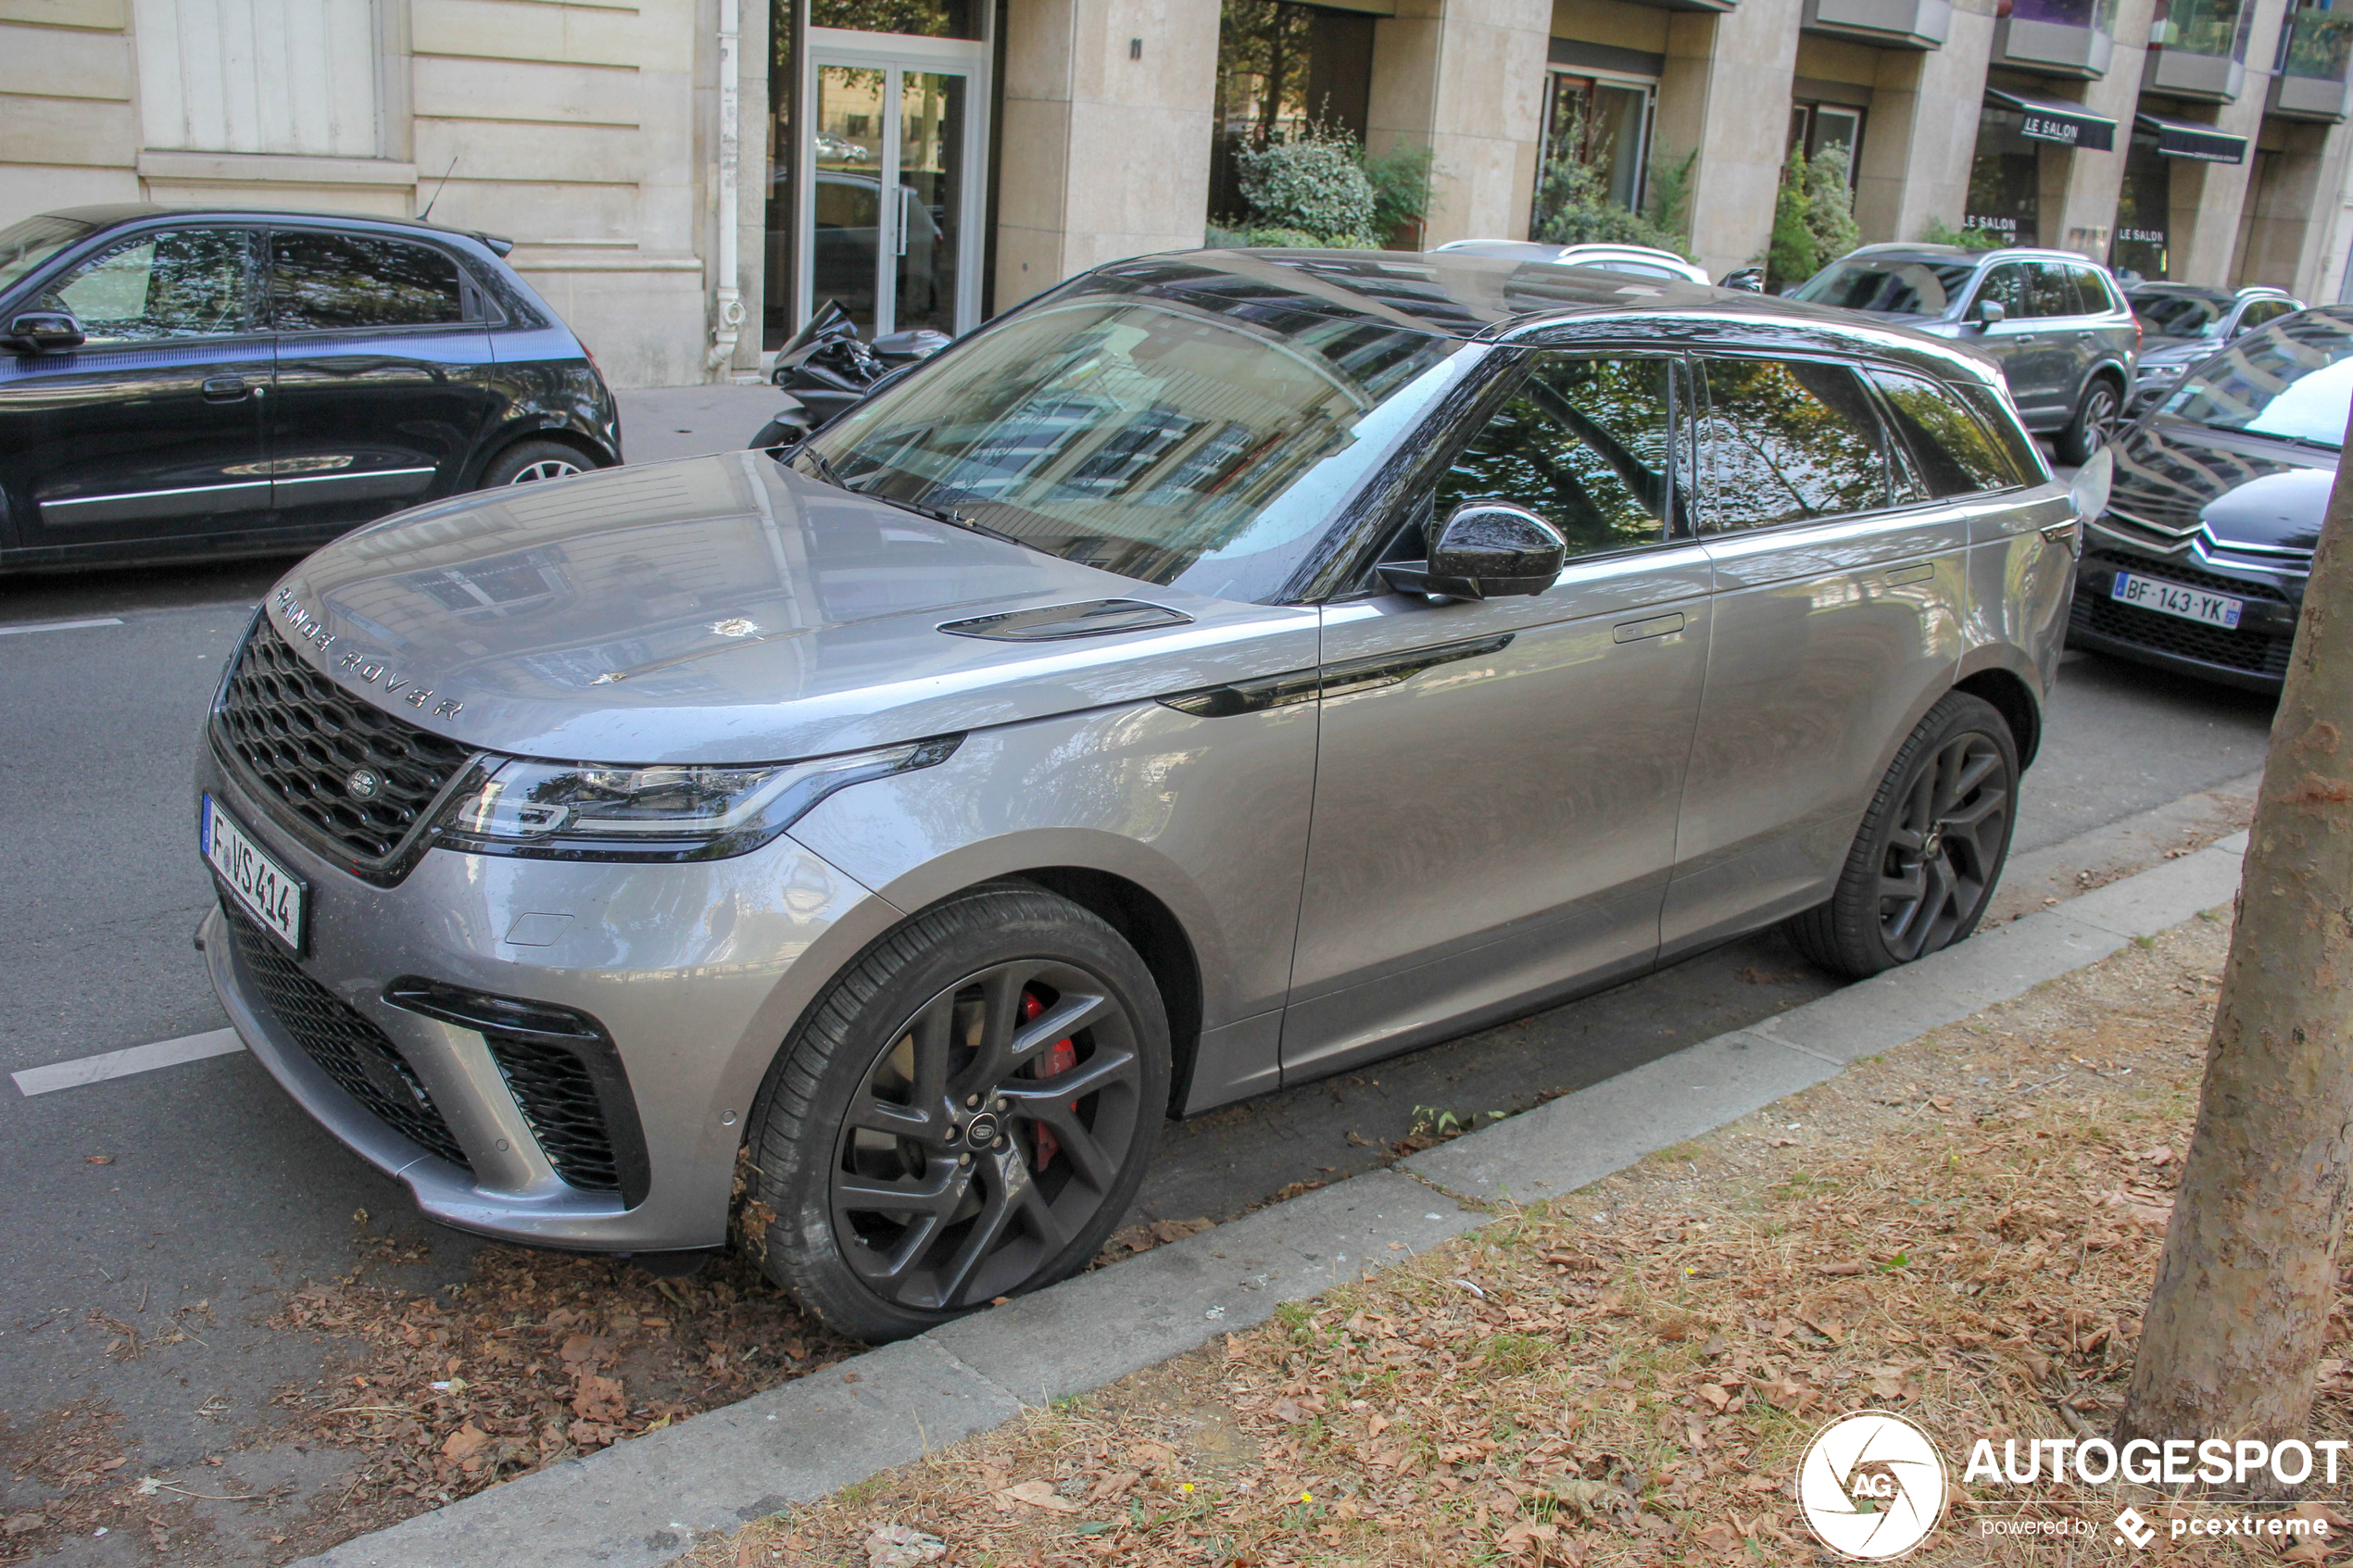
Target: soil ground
column 1963, row 1230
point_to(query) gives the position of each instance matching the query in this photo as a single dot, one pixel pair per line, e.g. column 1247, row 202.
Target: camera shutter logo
column 1872, row 1486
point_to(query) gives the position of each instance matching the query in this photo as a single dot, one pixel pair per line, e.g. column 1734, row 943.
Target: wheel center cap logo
column 981, row 1131
column 363, row 783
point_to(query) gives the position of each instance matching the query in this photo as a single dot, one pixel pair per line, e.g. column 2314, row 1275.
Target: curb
column 644, row 1502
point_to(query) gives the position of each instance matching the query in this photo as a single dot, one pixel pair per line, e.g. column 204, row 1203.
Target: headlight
column 583, row 811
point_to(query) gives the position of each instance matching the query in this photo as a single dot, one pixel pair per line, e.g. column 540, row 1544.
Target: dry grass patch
column 1964, row 1231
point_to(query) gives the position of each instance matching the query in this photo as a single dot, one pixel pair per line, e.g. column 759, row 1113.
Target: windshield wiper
column 938, row 514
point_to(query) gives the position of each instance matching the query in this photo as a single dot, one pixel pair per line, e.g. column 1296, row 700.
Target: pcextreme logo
column 1872, row 1486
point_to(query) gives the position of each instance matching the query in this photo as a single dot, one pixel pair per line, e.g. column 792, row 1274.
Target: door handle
column 1651, row 626
column 905, row 196
column 225, row 389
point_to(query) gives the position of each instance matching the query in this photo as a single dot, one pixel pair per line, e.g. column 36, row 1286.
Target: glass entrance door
column 893, row 195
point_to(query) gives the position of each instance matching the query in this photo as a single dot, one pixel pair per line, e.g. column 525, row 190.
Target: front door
column 152, row 430
column 1497, row 781
column 383, row 380
column 891, row 202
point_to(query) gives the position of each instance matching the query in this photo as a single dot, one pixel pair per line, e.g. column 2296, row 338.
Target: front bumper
column 695, row 973
column 2253, row 656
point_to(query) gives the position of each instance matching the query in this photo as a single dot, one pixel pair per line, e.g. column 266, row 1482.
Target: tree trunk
column 2236, row 1322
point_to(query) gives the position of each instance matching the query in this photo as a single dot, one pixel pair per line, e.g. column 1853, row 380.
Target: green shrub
column 1829, row 204
column 1792, row 254
column 1936, row 232
column 1312, row 182
column 1400, row 179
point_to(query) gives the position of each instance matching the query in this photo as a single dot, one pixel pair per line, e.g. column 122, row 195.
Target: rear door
column 383, row 386
column 2019, row 341
column 1496, row 782
column 152, row 430
column 1840, row 588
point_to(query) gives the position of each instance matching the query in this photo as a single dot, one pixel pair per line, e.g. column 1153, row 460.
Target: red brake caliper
column 1058, row 1058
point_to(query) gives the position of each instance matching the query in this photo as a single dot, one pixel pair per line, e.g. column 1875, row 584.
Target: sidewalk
column 647, row 1502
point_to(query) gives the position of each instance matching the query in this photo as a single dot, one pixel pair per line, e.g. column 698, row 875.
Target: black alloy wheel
column 1931, row 849
column 965, row 1113
column 986, row 1136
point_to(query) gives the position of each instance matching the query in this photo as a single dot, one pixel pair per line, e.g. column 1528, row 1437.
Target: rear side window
column 185, row 282
column 1783, row 440
column 2011, row 435
column 1951, row 450
column 318, row 282
column 2050, row 290
column 2091, row 292
column 1586, row 445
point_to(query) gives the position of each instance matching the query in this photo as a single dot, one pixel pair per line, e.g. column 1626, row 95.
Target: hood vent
column 1093, row 618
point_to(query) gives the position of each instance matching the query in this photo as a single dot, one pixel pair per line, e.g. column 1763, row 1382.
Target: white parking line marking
column 121, row 1064
column 61, row 625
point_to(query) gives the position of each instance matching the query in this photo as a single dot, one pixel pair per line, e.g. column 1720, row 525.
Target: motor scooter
column 829, row 371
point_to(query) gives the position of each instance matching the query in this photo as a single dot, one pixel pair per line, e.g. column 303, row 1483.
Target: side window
column 1954, row 454
column 2006, row 286
column 2091, row 292
column 2050, row 290
column 1585, row 443
column 1787, row 439
column 2026, row 462
column 184, row 282
column 2262, row 310
column 321, row 282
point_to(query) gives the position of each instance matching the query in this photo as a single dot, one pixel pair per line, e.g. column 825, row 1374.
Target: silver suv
column 1225, row 670
column 2057, row 323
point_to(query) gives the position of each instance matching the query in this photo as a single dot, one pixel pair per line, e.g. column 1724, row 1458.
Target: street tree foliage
column 2235, row 1324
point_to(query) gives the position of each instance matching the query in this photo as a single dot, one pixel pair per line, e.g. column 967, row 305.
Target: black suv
column 180, row 382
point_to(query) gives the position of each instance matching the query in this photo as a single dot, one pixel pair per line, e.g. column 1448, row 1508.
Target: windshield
column 2179, row 315
column 1164, row 439
column 1891, row 285
column 26, row 246
column 2295, row 381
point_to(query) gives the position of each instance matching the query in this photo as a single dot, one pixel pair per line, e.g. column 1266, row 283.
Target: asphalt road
column 197, row 1195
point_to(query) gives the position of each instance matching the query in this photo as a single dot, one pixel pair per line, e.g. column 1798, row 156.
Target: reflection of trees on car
column 1789, row 440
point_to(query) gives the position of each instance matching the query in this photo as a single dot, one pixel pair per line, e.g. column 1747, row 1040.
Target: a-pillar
column 1725, row 91
column 1465, row 79
column 1105, row 145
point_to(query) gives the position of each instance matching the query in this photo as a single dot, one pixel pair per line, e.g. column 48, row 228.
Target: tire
column 2087, row 431
column 528, row 462
column 976, row 994
column 1926, row 859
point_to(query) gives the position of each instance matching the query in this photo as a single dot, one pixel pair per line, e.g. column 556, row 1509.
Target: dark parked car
column 181, row 382
column 2057, row 323
column 2182, row 323
column 2199, row 560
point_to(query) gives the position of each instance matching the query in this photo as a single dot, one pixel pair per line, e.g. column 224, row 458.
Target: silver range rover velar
column 1224, row 670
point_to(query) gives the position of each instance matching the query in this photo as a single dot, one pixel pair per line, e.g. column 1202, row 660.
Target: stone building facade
column 686, row 179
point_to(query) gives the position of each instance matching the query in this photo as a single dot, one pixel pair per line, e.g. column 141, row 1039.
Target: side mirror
column 1748, row 280
column 1989, row 313
column 1484, row 550
column 37, row 332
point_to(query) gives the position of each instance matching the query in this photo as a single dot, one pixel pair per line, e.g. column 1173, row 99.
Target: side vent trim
column 1093, row 618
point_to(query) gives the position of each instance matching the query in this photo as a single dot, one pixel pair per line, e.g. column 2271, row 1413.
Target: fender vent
column 1095, row 618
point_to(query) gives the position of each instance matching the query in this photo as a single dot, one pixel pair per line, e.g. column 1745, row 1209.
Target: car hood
column 2243, row 489
column 728, row 609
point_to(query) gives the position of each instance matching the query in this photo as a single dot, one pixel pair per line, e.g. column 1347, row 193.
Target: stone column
column 1467, row 78
column 1725, row 90
column 2210, row 197
column 1920, row 143
column 2080, row 187
column 2293, row 204
column 1105, row 142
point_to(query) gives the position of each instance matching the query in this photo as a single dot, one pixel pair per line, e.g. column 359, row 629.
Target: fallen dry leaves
column 1964, row 1230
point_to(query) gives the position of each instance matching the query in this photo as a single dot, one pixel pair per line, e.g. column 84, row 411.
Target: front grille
column 301, row 737
column 344, row 1044
column 2251, row 651
column 2186, row 576
column 558, row 1099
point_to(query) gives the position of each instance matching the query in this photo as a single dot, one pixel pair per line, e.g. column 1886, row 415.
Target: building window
column 1281, row 68
column 2006, row 179
column 916, row 18
column 263, row 76
column 1599, row 124
column 2144, row 213
column 1814, row 126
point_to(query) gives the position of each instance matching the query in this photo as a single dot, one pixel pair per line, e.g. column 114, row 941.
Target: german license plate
column 2169, row 599
column 266, row 890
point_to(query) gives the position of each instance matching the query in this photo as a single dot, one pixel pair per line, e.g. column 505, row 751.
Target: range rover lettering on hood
column 358, row 664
